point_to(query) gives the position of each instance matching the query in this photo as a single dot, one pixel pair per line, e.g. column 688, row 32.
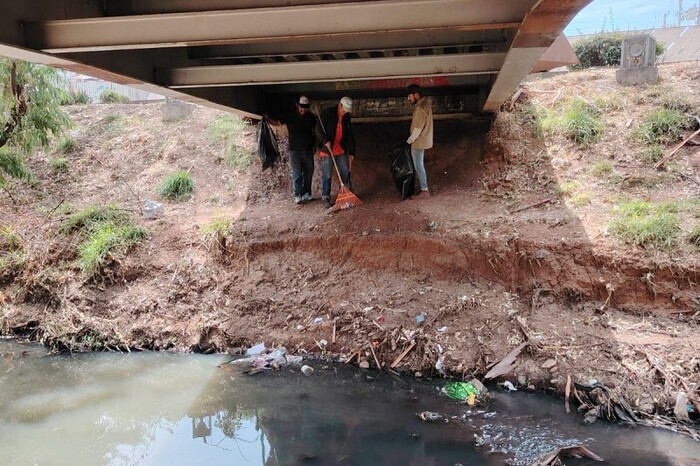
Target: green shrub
column 602, row 49
column 90, row 216
column 227, row 131
column 75, row 97
column 67, row 145
column 601, row 168
column 109, row 96
column 581, row 122
column 59, row 164
column 568, row 188
column 652, row 154
column 12, row 263
column 107, row 233
column 694, row 236
column 12, row 164
column 580, row 199
column 645, row 224
column 662, row 126
column 10, row 240
column 176, row 186
column 107, row 241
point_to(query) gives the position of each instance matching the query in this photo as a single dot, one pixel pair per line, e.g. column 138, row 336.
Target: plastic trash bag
column 462, row 391
column 268, row 151
column 402, row 170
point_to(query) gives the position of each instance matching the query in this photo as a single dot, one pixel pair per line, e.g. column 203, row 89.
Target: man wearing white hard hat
column 335, row 133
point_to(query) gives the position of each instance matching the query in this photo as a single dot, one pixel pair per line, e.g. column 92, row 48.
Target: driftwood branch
column 678, row 146
column 536, row 204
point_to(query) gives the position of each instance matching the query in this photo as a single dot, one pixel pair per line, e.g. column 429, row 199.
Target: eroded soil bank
column 486, row 271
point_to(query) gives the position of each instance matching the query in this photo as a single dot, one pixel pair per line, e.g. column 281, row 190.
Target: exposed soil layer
column 486, row 273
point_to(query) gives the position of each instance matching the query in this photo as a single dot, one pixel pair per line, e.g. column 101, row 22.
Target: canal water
column 171, row 409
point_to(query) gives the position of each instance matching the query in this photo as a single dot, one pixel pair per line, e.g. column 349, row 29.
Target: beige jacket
column 423, row 120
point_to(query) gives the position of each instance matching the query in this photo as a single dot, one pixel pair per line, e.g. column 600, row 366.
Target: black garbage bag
column 268, row 151
column 402, row 170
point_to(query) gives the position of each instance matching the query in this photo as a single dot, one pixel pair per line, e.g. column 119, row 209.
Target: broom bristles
column 345, row 200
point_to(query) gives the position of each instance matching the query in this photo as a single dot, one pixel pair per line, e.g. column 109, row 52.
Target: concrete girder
column 283, row 23
column 341, row 70
column 540, row 28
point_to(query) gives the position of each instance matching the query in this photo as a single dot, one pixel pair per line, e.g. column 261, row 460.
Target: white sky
column 624, row 15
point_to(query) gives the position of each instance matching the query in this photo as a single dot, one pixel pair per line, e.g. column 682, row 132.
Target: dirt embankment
column 500, row 255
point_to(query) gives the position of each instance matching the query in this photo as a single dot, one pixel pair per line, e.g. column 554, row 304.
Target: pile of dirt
column 497, row 257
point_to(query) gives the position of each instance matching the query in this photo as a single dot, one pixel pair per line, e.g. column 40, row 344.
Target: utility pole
column 680, row 11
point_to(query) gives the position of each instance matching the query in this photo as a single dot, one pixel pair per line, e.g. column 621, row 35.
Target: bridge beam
column 323, row 21
column 540, row 28
column 340, row 70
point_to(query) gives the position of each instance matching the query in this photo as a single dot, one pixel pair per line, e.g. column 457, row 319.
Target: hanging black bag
column 268, row 151
column 402, row 170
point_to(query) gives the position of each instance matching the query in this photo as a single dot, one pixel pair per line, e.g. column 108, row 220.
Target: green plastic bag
column 462, row 391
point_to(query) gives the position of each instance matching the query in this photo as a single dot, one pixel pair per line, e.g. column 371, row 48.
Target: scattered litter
column 364, row 365
column 508, row 385
column 307, row 370
column 152, row 210
column 442, row 329
column 322, row 344
column 429, row 416
column 254, row 363
column 257, row 349
column 420, row 318
column 440, row 365
column 300, row 327
column 318, row 320
column 462, row 391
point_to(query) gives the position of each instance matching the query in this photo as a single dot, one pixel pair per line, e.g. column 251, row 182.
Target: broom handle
column 318, row 115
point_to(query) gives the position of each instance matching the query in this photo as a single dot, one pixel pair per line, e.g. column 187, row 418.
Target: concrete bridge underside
column 251, row 55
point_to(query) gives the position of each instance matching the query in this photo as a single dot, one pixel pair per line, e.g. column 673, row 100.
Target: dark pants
column 302, row 162
column 328, row 169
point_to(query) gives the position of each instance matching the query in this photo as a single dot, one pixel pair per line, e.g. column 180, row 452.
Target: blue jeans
column 328, row 169
column 418, row 163
column 302, row 162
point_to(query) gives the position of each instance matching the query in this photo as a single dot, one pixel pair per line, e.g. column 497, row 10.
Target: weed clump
column 694, row 236
column 107, row 241
column 109, row 96
column 89, row 217
column 12, row 255
column 177, row 186
column 59, row 164
column 67, row 145
column 107, row 234
column 227, row 130
column 646, row 224
column 662, row 126
column 582, row 123
column 215, row 234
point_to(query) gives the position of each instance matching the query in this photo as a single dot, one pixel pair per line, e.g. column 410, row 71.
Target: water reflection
column 164, row 409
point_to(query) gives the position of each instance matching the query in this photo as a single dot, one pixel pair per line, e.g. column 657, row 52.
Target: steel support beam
column 396, row 40
column 272, row 24
column 341, row 70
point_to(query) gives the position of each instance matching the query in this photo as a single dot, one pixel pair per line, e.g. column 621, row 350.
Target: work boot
column 298, row 199
column 307, row 197
column 327, row 203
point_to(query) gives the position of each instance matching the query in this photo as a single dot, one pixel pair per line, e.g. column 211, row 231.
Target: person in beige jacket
column 421, row 137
